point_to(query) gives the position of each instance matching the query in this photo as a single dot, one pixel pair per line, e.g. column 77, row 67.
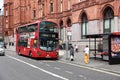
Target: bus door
column 25, row 49
column 23, row 46
column 33, row 44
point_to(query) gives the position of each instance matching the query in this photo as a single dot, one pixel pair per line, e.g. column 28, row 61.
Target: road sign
column 68, row 29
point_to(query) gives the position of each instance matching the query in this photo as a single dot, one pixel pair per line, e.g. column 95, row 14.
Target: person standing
column 71, row 53
column 86, row 57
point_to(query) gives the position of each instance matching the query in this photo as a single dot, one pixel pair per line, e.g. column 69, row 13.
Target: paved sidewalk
column 79, row 59
column 98, row 63
column 12, row 48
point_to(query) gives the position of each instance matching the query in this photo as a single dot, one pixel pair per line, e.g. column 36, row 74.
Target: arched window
column 108, row 20
column 84, row 26
column 51, row 7
column 69, row 22
column 34, row 14
column 69, row 25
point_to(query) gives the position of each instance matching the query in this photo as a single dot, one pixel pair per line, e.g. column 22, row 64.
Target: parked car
column 2, row 49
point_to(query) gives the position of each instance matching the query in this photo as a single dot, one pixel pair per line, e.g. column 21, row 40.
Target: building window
column 51, row 7
column 0, row 30
column 69, row 33
column 41, row 10
column 34, row 13
column 6, row 12
column 61, row 6
column 81, row 0
column 68, row 4
column 84, row 25
column 6, row 25
column 108, row 20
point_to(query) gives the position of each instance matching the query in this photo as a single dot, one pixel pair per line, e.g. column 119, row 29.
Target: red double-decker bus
column 38, row 40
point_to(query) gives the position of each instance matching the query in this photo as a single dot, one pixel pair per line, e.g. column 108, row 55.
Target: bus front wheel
column 30, row 54
column 19, row 52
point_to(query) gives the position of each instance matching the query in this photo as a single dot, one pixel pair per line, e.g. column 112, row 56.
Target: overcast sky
column 1, row 7
column 1, row 3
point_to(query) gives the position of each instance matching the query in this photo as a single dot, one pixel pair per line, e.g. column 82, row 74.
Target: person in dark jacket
column 71, row 53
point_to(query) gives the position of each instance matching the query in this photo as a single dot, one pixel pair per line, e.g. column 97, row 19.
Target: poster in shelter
column 115, row 47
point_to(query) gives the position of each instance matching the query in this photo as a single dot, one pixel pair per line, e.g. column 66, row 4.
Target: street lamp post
column 67, row 43
column 68, row 31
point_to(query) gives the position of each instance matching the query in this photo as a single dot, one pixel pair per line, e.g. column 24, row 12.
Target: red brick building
column 82, row 16
column 1, row 25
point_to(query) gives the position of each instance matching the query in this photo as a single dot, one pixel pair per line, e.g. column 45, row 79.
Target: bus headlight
column 57, row 52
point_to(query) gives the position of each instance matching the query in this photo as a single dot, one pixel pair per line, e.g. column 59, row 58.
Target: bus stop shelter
column 94, row 36
column 110, row 46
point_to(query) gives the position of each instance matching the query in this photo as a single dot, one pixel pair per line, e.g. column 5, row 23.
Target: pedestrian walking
column 86, row 57
column 76, row 48
column 71, row 53
column 61, row 44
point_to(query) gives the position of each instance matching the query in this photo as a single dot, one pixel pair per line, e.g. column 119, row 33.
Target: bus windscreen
column 48, row 36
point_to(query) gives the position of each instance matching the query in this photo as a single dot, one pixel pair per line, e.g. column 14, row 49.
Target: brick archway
column 108, row 19
column 81, row 14
column 103, row 10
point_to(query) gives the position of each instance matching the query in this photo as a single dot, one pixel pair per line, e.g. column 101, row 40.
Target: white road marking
column 29, row 59
column 69, row 72
column 47, row 65
column 57, row 68
column 31, row 65
column 94, row 69
column 41, row 63
column 82, row 77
